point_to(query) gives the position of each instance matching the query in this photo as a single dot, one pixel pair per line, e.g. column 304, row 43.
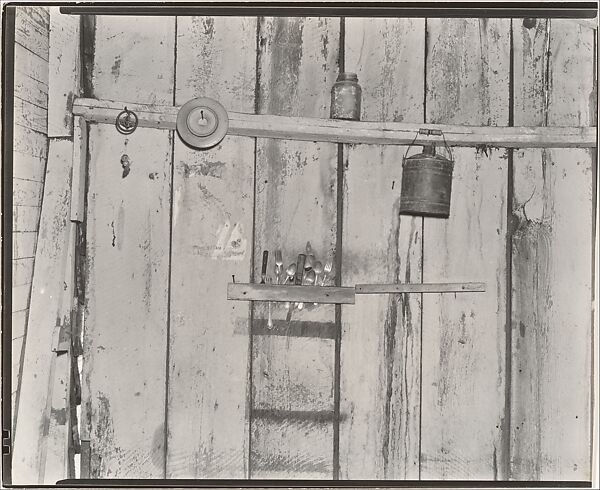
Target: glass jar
column 345, row 97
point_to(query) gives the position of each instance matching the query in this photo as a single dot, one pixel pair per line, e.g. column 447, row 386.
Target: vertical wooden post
column 292, row 415
column 464, row 341
column 128, row 226
column 208, row 392
column 552, row 218
column 381, row 337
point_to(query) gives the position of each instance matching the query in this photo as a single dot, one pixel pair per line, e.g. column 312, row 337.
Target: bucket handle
column 429, row 132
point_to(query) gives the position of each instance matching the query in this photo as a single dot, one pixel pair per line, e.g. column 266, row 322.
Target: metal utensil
column 318, row 268
column 327, row 270
column 278, row 265
column 269, row 320
column 309, row 249
column 309, row 280
column 300, row 269
column 263, row 273
column 291, row 273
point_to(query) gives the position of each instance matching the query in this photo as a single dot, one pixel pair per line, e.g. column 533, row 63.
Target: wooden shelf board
column 304, row 294
column 447, row 287
column 355, row 132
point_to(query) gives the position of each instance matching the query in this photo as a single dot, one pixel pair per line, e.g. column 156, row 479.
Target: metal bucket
column 426, row 184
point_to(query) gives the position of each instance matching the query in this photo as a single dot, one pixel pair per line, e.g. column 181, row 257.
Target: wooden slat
column 24, row 243
column 367, row 131
column 30, row 116
column 32, row 34
column 37, row 14
column 46, row 294
column 26, row 218
column 63, row 72
column 22, row 271
column 295, row 202
column 316, row 294
column 57, row 426
column 19, row 321
column 28, row 167
column 27, row 193
column 212, row 239
column 20, row 297
column 16, row 348
column 30, row 143
column 29, row 65
column 552, row 258
column 79, row 169
column 127, row 253
column 31, row 91
column 459, row 287
column 380, row 352
column 463, row 371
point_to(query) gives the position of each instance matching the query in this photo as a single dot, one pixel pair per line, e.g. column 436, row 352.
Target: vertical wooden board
column 126, row 302
column 380, row 351
column 552, row 258
column 128, row 228
column 80, row 129
column 295, row 203
column 133, row 59
column 47, row 290
column 63, row 72
column 212, row 240
column 463, row 371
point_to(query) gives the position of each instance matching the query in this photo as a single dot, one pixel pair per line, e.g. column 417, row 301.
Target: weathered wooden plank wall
column 29, row 166
column 381, row 335
column 424, row 381
column 463, row 360
column 128, row 227
column 551, row 214
column 292, row 392
column 212, row 240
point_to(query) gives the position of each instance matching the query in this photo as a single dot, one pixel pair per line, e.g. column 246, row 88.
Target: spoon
column 318, row 269
column 291, row 273
column 327, row 270
column 309, row 281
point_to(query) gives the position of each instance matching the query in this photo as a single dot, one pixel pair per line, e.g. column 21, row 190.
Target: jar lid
column 347, row 75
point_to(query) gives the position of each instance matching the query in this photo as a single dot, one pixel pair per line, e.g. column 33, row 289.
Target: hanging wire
column 411, row 144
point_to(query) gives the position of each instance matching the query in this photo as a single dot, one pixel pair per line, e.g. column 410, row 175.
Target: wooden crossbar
column 338, row 131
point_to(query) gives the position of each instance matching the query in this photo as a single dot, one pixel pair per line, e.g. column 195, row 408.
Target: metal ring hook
column 126, row 121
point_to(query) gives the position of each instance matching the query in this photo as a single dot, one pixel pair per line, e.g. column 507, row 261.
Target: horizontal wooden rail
column 305, row 294
column 338, row 131
column 460, row 287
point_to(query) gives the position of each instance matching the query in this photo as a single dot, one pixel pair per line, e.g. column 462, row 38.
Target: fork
column 278, row 266
column 326, row 271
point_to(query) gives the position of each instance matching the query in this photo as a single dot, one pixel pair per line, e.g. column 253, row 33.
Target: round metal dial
column 202, row 122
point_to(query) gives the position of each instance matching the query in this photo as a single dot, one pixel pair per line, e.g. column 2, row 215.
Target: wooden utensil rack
column 339, row 295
